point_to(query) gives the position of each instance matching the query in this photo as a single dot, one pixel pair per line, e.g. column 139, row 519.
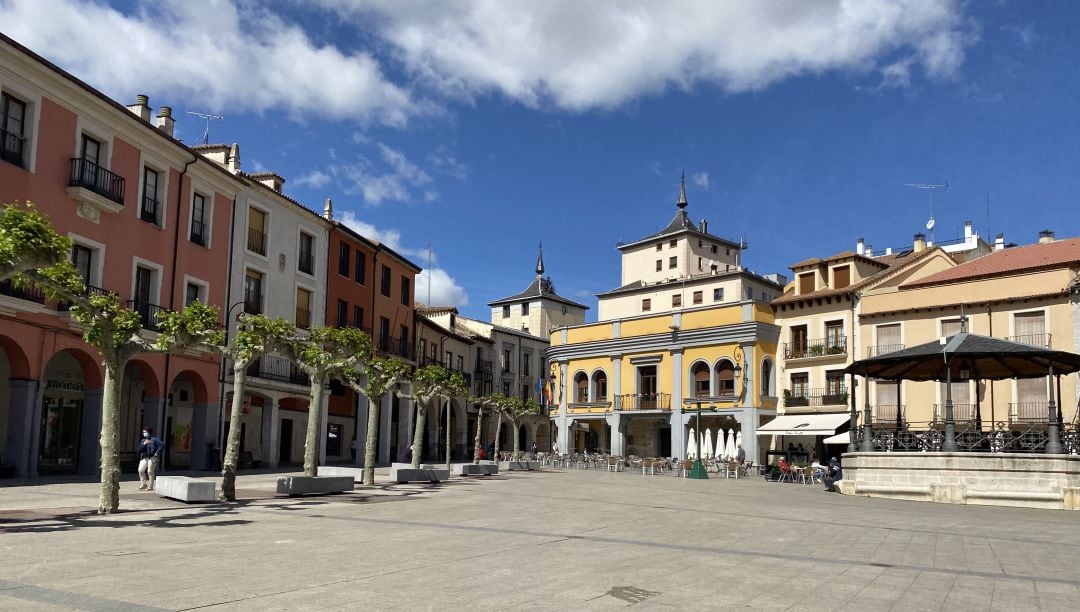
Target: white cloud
column 701, row 179
column 394, row 181
column 214, row 56
column 390, row 237
column 316, row 179
column 582, row 55
column 444, row 289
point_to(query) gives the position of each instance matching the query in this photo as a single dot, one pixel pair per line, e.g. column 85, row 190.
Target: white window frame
column 204, row 288
column 84, row 126
column 208, row 211
column 312, row 321
column 155, row 281
column 97, row 267
column 263, row 304
column 162, row 193
column 1046, row 320
column 314, row 249
column 31, row 121
column 266, row 211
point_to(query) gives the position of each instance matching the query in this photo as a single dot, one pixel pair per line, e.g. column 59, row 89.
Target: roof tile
column 1009, row 261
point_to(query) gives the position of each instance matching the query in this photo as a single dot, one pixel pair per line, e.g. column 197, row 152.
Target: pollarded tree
column 326, row 351
column 492, row 402
column 432, row 385
column 515, row 411
column 28, row 241
column 256, row 335
column 376, row 378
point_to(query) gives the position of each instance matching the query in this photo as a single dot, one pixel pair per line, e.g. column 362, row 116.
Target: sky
column 466, row 133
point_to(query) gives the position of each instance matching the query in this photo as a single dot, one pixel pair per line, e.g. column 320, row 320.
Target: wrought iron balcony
column 90, row 291
column 883, row 349
column 1040, row 340
column 643, row 401
column 828, row 396
column 815, row 348
column 1028, row 412
column 90, row 176
column 394, row 346
column 11, row 148
column 885, row 414
column 198, row 232
column 29, row 293
column 272, row 367
column 256, row 241
column 147, row 312
column 961, row 412
column 306, row 263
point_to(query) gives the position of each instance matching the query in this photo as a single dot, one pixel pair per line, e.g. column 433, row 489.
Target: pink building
column 150, row 219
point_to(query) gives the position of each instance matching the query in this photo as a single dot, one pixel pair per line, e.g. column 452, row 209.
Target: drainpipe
column 172, row 295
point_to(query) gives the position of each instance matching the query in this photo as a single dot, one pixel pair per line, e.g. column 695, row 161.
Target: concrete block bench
column 185, row 488
column 334, row 470
column 420, row 474
column 314, row 485
column 474, row 469
column 519, row 465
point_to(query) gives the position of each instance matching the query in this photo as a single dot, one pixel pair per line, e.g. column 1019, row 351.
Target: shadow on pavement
column 37, row 522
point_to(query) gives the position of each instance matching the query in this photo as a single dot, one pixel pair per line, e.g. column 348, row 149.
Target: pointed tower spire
column 540, row 259
column 682, row 192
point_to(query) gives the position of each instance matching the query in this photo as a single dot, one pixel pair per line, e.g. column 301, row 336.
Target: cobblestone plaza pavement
column 532, row 541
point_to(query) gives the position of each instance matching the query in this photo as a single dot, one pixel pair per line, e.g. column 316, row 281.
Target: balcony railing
column 272, row 367
column 394, row 346
column 149, row 210
column 11, row 147
column 885, row 414
column 88, row 175
column 306, row 263
column 961, row 412
column 90, row 291
column 816, row 397
column 147, row 312
column 883, row 349
column 303, row 318
column 198, row 232
column 643, row 401
column 1040, row 340
column 256, row 242
column 30, row 293
column 1023, row 412
column 815, row 348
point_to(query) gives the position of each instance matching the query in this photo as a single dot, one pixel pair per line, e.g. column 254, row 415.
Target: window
column 403, row 341
column 713, row 248
column 306, row 258
column 806, row 282
column 357, row 316
column 800, row 386
column 506, row 312
column 581, row 388
column 149, row 210
column 386, row 280
column 676, row 300
column 406, row 296
column 144, row 278
column 342, row 313
column 659, row 245
column 384, row 333
column 699, row 263
column 1030, row 328
column 461, row 363
column 525, row 309
column 835, row 342
column 885, row 405
column 888, row 339
column 344, row 255
column 422, row 349
column 199, row 233
column 950, row 327
column 646, row 305
column 256, row 231
column 749, row 293
column 448, row 359
column 841, row 277
column 303, row 308
column 361, row 267
column 698, row 297
column 12, row 130
column 659, row 265
column 192, row 294
column 766, row 378
column 963, row 409
column 701, row 377
column 252, row 292
column 1031, row 400
column 799, row 341
column 672, row 263
column 506, row 388
column 725, row 378
column 600, row 387
column 91, row 151
column 507, row 357
column 83, row 257
column 673, row 244
column 718, row 294
column 834, row 385
column 525, row 364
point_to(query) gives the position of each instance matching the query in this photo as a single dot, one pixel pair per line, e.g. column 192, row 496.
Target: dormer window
column 806, row 282
column 841, row 277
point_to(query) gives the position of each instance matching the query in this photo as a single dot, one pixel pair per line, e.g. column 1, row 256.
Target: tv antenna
column 207, row 117
column 931, row 188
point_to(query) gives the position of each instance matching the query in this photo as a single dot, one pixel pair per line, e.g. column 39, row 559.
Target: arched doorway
column 67, row 439
column 141, row 405
column 16, row 393
column 186, row 427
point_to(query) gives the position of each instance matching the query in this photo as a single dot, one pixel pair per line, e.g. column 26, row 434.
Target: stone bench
column 519, row 465
column 314, row 485
column 334, row 470
column 420, row 474
column 186, row 489
column 473, row 469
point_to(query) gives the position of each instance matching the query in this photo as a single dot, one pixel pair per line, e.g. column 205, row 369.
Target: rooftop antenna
column 931, row 188
column 207, row 117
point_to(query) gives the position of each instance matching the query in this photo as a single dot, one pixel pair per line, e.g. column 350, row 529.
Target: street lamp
column 698, row 470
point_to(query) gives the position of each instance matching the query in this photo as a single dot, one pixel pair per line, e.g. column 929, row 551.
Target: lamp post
column 221, row 381
column 698, row 470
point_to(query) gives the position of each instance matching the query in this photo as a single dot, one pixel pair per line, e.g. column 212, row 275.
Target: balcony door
column 647, row 386
column 798, row 341
column 82, row 258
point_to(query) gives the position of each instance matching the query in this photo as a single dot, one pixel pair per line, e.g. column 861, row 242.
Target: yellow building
column 688, row 324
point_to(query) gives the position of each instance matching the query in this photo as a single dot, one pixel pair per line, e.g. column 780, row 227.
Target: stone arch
column 200, row 394
column 724, row 374
column 149, row 378
column 18, row 364
column 581, row 386
column 70, row 414
column 700, row 379
column 598, row 385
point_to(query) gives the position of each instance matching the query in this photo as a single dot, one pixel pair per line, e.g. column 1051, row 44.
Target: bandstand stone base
column 992, row 479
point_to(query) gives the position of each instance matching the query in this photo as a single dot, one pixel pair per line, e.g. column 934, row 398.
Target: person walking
column 149, row 454
column 833, row 475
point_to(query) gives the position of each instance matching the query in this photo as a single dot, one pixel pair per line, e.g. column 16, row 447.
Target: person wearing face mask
column 149, row 453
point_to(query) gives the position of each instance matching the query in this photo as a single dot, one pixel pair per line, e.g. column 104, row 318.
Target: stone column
column 406, row 418
column 204, row 419
column 564, row 423
column 21, row 410
column 324, row 418
column 90, row 436
column 618, row 444
column 270, row 434
column 677, row 435
column 385, row 406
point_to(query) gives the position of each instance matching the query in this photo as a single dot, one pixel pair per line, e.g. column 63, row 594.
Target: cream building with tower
column 688, row 323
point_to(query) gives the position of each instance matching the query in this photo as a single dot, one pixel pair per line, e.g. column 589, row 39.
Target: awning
column 842, row 438
column 803, row 425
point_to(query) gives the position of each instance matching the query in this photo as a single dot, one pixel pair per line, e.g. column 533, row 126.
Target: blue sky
column 487, row 127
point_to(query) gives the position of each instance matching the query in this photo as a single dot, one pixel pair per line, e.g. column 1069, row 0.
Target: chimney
column 888, row 250
column 232, row 162
column 165, row 121
column 1046, row 236
column 920, row 243
column 703, row 227
column 328, row 210
column 968, row 231
column 141, row 108
column 999, row 242
column 273, row 180
column 869, row 251
column 860, row 247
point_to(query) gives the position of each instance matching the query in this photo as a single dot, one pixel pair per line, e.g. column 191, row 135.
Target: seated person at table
column 835, row 475
column 819, row 470
column 783, row 466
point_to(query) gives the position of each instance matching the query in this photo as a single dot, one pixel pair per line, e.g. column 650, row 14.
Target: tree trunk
column 109, row 501
column 517, row 437
column 314, row 427
column 418, row 433
column 498, row 430
column 371, row 444
column 232, row 444
column 477, row 439
column 448, row 430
